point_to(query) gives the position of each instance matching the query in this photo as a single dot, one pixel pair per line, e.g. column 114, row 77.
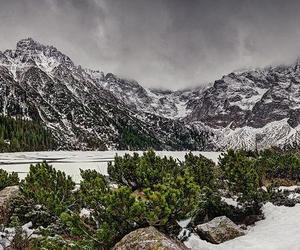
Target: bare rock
column 6, row 196
column 148, row 239
column 218, row 230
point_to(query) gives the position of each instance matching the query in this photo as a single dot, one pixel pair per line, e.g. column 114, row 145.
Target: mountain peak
column 30, row 52
column 28, row 43
column 28, row 40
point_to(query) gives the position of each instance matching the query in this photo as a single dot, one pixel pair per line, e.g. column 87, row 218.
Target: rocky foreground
column 278, row 230
column 152, row 202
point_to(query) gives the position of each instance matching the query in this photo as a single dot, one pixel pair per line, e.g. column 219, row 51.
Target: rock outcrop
column 218, row 230
column 148, row 239
column 6, row 196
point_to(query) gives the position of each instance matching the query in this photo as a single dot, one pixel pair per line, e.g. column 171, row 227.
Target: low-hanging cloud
column 161, row 43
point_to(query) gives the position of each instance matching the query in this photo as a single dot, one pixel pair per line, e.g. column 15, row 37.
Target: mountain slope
column 169, row 104
column 40, row 83
column 257, row 108
column 250, row 109
column 87, row 109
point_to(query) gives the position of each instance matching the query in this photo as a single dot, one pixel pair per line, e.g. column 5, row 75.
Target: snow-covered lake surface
column 71, row 161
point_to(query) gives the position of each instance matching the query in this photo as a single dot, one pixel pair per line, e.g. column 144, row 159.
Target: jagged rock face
column 256, row 108
column 253, row 98
column 169, row 104
column 83, row 108
column 31, row 53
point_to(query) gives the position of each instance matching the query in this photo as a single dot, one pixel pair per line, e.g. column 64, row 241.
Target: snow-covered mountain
column 165, row 103
column 250, row 109
column 90, row 109
column 41, row 83
column 256, row 108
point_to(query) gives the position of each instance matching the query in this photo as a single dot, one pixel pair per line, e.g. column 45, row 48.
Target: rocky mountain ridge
column 39, row 82
column 252, row 109
column 89, row 109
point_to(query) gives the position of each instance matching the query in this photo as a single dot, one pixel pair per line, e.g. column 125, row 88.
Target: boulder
column 218, row 230
column 6, row 196
column 148, row 239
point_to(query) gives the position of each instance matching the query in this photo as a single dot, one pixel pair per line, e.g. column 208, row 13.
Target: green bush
column 143, row 171
column 210, row 205
column 280, row 164
column 26, row 210
column 242, row 176
column 123, row 213
column 7, row 179
column 117, row 211
column 114, row 214
column 202, row 169
column 149, row 190
column 48, row 187
column 93, row 187
column 54, row 243
column 174, row 199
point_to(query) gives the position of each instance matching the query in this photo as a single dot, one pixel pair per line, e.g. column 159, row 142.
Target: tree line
column 19, row 134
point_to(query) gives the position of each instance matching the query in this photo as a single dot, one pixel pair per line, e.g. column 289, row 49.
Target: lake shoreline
column 72, row 161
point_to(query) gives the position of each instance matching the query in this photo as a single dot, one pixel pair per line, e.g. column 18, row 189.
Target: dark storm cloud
column 161, row 43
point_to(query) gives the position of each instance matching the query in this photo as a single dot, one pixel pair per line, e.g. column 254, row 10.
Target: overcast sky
column 161, row 43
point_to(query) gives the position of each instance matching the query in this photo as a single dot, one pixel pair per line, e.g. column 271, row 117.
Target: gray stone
column 6, row 196
column 148, row 239
column 218, row 230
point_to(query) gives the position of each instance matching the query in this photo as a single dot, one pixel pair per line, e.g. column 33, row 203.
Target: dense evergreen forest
column 18, row 134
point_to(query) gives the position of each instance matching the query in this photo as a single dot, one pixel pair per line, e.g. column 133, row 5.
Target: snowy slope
column 279, row 231
column 278, row 133
column 256, row 108
column 168, row 104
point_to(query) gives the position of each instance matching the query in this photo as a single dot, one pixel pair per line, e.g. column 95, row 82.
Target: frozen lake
column 71, row 161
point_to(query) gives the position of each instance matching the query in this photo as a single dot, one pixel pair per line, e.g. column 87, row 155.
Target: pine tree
column 17, row 134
